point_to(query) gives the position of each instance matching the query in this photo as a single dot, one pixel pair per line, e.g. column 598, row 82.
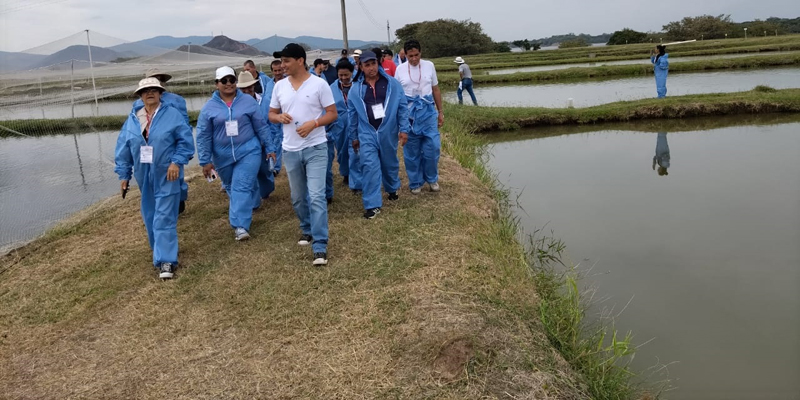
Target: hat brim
column 244, row 85
column 136, row 92
column 459, row 62
column 166, row 77
column 276, row 55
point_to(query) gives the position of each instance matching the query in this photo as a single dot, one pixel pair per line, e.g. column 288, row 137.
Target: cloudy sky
column 29, row 23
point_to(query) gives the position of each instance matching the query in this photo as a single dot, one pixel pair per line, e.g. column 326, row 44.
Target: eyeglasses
column 149, row 90
column 227, row 80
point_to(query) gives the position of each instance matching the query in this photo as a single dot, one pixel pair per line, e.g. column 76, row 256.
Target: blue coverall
column 421, row 153
column 171, row 139
column 236, row 158
column 349, row 161
column 661, row 69
column 378, row 148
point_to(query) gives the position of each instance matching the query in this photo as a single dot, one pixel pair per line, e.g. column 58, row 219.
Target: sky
column 26, row 24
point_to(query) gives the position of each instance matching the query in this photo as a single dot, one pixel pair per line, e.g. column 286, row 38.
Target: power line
column 22, row 7
column 369, row 14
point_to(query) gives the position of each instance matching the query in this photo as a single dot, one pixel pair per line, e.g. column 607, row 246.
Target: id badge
column 232, row 128
column 146, row 155
column 377, row 111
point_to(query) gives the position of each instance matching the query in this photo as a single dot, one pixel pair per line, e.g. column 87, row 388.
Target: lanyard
column 419, row 79
column 344, row 93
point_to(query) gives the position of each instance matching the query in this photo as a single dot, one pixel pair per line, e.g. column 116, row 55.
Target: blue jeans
column 329, row 170
column 466, row 84
column 240, row 182
column 306, row 170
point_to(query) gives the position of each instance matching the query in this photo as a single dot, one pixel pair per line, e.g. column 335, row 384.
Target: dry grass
column 427, row 301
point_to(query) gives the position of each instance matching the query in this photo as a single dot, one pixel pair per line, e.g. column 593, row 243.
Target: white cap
column 357, row 52
column 225, row 71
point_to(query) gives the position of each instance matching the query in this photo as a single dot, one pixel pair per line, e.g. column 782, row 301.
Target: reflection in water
column 80, row 163
column 662, row 154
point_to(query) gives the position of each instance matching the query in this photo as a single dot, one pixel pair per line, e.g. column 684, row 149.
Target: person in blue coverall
column 660, row 60
column 662, row 154
column 277, row 129
column 349, row 161
column 154, row 145
column 421, row 87
column 266, row 172
column 377, row 122
column 230, row 135
column 177, row 102
column 261, row 77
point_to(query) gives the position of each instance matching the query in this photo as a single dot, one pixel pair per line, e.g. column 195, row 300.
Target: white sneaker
column 320, row 259
column 416, row 191
column 241, row 234
column 435, row 187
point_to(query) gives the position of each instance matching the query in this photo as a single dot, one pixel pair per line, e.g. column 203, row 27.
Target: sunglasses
column 149, row 90
column 227, row 80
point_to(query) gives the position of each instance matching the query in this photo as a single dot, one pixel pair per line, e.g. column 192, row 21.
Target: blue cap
column 368, row 56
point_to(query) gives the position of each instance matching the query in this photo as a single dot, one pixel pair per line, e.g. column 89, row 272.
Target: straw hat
column 459, row 60
column 148, row 83
column 155, row 73
column 245, row 79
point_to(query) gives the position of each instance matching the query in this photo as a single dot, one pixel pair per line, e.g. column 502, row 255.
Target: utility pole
column 388, row 35
column 72, row 87
column 189, row 59
column 91, row 70
column 344, row 28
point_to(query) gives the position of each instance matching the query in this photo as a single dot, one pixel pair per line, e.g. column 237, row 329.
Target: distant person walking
column 660, row 60
column 179, row 104
column 304, row 105
column 231, row 134
column 387, row 63
column 266, row 177
column 662, row 154
column 400, row 57
column 421, row 87
column 262, row 78
column 344, row 56
column 277, row 129
column 154, row 145
column 466, row 81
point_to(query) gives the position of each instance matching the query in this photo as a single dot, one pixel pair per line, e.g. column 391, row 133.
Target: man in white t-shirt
column 421, row 87
column 304, row 105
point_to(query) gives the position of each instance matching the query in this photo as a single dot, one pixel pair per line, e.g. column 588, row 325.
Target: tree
column 523, row 44
column 502, row 47
column 447, row 37
column 627, row 36
column 579, row 42
column 704, row 26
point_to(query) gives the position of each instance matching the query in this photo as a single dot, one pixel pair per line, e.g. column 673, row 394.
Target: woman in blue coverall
column 660, row 60
column 156, row 142
column 230, row 134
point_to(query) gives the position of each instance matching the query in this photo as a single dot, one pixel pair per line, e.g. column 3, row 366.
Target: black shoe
column 320, row 259
column 329, row 200
column 355, row 191
column 166, row 271
column 393, row 196
column 182, row 207
column 346, row 180
column 372, row 213
column 305, row 240
column 275, row 173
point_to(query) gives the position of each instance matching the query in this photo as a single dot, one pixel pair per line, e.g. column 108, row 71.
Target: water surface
column 705, row 242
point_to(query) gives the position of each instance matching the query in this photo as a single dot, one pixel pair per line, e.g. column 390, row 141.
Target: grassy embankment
column 434, row 299
column 757, row 101
column 480, row 62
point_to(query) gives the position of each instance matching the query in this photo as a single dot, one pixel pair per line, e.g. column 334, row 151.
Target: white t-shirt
column 418, row 80
column 306, row 104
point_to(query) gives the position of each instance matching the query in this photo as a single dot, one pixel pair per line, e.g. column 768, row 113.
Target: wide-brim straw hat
column 148, row 83
column 155, row 73
column 459, row 60
column 245, row 79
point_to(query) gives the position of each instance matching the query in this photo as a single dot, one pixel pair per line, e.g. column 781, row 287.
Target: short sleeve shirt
column 465, row 72
column 419, row 80
column 307, row 103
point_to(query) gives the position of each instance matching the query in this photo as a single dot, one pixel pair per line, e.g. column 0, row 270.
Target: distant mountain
column 275, row 43
column 169, row 42
column 224, row 43
column 18, row 61
column 80, row 52
column 549, row 41
column 138, row 49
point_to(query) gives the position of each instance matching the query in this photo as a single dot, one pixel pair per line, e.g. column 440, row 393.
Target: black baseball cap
column 291, row 50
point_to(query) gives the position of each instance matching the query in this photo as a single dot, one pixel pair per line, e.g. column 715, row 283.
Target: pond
column 592, row 93
column 60, row 111
column 698, row 228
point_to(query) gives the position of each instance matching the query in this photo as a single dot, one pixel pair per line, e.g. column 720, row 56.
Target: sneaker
column 435, row 187
column 305, row 240
column 330, row 200
column 393, row 196
column 166, row 271
column 182, row 207
column 416, row 191
column 356, row 191
column 346, row 180
column 320, row 259
column 241, row 234
column 372, row 213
